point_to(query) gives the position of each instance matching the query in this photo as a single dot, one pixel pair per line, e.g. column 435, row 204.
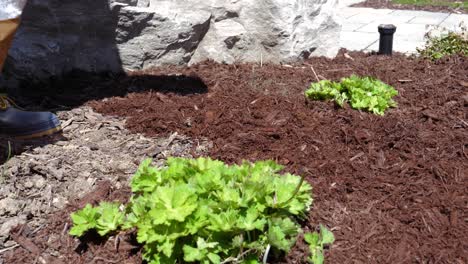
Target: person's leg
column 7, row 32
column 15, row 122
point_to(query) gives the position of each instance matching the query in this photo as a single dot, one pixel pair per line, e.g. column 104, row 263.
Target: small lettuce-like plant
column 364, row 93
column 204, row 211
column 317, row 242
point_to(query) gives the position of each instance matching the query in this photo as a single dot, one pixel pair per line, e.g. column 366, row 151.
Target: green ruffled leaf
column 111, row 218
column 173, row 203
column 282, row 233
column 364, row 93
column 84, row 220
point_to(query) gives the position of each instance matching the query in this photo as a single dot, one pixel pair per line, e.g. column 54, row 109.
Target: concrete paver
column 359, row 31
column 430, row 19
column 453, row 21
column 357, row 40
column 352, row 26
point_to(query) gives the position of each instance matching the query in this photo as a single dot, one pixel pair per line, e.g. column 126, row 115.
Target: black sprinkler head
column 386, row 39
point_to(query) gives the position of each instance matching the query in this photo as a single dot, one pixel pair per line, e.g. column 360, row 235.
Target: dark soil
column 434, row 8
column 393, row 189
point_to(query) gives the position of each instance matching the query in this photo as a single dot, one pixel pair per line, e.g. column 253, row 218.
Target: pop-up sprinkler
column 386, row 39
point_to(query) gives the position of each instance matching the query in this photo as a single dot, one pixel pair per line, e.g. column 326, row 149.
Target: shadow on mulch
column 76, row 88
column 9, row 147
column 391, row 188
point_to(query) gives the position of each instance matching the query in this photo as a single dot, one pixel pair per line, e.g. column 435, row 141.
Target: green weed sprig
column 317, row 242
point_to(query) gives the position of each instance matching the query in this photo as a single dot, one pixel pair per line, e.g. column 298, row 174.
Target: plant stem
column 296, row 190
column 265, row 256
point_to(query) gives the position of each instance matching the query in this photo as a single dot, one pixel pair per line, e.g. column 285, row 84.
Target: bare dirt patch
column 44, row 179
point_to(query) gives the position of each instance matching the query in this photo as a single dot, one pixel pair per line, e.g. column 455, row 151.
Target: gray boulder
column 57, row 36
column 268, row 30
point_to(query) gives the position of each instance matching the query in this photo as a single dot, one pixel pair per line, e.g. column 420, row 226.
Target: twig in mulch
column 425, row 223
column 463, row 122
column 65, row 228
column 346, row 55
column 26, row 243
column 360, row 154
column 463, row 83
column 68, row 122
column 405, row 80
column 339, row 70
column 103, row 259
column 464, row 153
column 116, row 243
column 3, row 250
column 313, row 70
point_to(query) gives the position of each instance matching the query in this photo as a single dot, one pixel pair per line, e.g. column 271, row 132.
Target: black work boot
column 20, row 124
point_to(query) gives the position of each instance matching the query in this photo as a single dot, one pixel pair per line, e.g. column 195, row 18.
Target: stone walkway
column 359, row 30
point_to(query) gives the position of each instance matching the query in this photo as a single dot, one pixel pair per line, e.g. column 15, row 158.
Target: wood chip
column 67, row 123
column 26, row 244
column 463, row 83
column 346, row 55
column 360, row 154
column 405, row 80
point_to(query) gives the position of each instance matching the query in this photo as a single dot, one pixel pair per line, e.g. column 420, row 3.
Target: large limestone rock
column 268, row 30
column 58, row 36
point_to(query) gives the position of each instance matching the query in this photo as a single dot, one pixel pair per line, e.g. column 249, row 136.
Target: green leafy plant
column 447, row 44
column 104, row 219
column 204, row 211
column 364, row 93
column 316, row 242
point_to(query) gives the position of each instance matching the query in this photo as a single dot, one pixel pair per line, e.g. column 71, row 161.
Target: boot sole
column 41, row 134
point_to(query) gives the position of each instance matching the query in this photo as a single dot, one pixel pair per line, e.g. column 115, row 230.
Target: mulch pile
column 433, row 8
column 393, row 189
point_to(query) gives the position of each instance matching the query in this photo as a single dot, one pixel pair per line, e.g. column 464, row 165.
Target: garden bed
column 391, row 188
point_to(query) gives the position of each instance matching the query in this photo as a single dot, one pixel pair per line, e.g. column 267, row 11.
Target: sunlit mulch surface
column 393, row 189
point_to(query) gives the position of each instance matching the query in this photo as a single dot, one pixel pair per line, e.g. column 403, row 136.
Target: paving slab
column 403, row 46
column 366, row 10
column 404, row 31
column 357, row 40
column 347, row 12
column 352, row 26
column 413, row 32
column 430, row 19
column 453, row 21
column 359, row 31
column 369, row 16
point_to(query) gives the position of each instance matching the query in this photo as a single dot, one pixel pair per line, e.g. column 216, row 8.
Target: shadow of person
column 60, row 36
column 66, row 52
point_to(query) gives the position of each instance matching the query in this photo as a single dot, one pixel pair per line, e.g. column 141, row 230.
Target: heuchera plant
column 364, row 93
column 202, row 210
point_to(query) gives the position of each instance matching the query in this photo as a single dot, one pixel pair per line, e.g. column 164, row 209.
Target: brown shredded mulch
column 392, row 188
